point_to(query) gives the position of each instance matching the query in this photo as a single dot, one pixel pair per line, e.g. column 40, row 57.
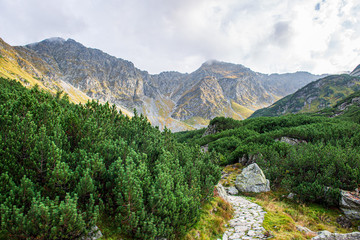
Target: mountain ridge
column 315, row 96
column 167, row 98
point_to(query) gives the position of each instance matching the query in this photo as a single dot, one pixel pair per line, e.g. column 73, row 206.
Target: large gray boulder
column 350, row 204
column 252, row 179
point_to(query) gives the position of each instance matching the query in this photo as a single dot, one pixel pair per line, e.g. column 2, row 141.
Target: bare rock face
column 169, row 98
column 350, row 204
column 252, row 179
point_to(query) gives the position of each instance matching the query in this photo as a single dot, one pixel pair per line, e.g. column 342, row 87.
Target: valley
column 179, row 101
column 93, row 146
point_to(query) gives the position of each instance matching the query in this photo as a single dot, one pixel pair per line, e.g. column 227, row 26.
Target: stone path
column 247, row 221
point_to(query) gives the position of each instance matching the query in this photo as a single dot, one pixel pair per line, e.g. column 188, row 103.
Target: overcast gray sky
column 319, row 36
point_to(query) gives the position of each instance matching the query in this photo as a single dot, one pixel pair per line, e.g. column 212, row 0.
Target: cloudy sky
column 320, row 36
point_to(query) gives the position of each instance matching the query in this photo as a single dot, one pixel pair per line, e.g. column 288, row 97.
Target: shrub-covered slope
column 63, row 167
column 313, row 97
column 312, row 156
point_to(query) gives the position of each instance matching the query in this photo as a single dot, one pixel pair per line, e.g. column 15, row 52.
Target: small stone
column 225, row 237
column 251, row 233
column 236, row 235
column 232, row 191
column 304, row 229
column 291, row 196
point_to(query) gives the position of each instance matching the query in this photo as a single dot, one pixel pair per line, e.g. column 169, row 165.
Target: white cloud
column 157, row 35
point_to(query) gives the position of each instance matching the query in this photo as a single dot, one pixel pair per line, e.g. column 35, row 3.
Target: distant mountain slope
column 238, row 90
column 315, row 96
column 26, row 66
column 356, row 71
column 176, row 100
column 347, row 108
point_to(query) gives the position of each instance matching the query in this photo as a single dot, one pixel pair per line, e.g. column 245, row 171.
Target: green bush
column 63, row 166
column 326, row 159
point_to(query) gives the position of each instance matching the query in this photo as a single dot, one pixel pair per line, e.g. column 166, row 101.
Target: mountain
column 315, row 96
column 26, row 66
column 347, row 108
column 356, row 71
column 176, row 100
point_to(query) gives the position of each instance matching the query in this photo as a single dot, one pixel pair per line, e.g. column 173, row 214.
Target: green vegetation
column 313, row 97
column 214, row 216
column 67, row 167
column 283, row 214
column 326, row 158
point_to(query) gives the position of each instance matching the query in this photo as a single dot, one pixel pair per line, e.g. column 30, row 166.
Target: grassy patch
column 197, row 120
column 283, row 215
column 232, row 171
column 243, row 111
column 214, row 216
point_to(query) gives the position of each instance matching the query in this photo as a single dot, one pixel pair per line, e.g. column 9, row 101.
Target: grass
column 233, row 170
column 197, row 120
column 214, row 216
column 283, row 215
column 243, row 111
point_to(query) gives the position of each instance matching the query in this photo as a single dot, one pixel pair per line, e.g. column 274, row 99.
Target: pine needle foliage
column 63, row 166
column 323, row 158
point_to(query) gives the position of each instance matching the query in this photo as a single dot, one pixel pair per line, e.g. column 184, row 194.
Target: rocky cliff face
column 168, row 98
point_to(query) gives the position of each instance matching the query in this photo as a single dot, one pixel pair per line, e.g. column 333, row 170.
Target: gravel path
column 247, row 221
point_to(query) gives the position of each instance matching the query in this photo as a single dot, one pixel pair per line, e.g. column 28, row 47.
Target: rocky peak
column 223, row 69
column 96, row 73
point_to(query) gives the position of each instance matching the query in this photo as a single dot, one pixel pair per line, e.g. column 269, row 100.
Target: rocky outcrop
column 252, row 179
column 211, row 129
column 290, row 140
column 94, row 234
column 222, row 192
column 350, row 204
column 344, row 222
column 326, row 235
column 246, row 160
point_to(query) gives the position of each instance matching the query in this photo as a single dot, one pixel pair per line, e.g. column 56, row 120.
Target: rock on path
column 247, row 221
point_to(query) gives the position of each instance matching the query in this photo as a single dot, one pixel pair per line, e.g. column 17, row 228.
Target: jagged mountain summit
column 172, row 99
column 315, row 96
